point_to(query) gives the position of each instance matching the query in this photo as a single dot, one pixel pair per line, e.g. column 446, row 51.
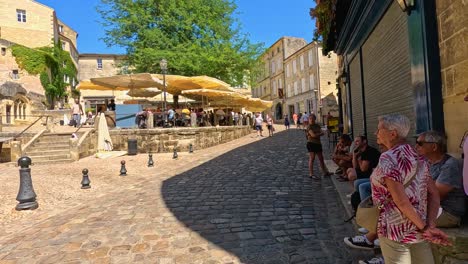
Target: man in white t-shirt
column 258, row 124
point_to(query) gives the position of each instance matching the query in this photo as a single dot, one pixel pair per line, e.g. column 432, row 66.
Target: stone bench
column 458, row 253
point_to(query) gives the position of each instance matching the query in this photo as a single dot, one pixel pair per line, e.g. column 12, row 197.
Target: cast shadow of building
column 257, row 202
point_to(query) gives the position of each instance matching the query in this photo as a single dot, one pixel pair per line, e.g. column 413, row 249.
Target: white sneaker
column 362, row 230
column 378, row 260
column 349, row 195
column 377, row 243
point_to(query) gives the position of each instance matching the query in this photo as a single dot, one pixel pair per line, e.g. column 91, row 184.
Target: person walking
column 314, row 147
column 402, row 187
column 258, row 124
column 295, row 118
column 270, row 127
column 77, row 111
column 286, row 122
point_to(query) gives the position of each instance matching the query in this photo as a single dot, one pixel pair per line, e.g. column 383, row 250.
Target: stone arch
column 279, row 111
column 20, row 107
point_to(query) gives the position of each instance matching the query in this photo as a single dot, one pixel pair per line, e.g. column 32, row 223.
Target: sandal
column 314, row 177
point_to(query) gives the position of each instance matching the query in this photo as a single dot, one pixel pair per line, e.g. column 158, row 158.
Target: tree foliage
column 323, row 13
column 51, row 64
column 197, row 37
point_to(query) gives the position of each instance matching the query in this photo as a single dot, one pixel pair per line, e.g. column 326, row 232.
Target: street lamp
column 406, row 5
column 163, row 65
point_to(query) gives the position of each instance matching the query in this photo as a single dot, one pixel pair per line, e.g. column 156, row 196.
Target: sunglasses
column 420, row 143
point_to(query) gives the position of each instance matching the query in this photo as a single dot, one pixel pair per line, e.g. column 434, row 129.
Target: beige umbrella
column 145, row 92
column 177, row 83
column 88, row 85
column 129, row 81
column 104, row 139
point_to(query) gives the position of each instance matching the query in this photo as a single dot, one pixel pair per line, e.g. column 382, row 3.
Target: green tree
column 197, row 37
column 52, row 64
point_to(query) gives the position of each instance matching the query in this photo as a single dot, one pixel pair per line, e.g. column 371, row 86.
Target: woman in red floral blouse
column 406, row 220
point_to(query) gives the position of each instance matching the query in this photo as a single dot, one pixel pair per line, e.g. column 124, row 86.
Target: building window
column 273, row 67
column 294, row 66
column 63, row 45
column 302, row 62
column 99, row 64
column 287, row 70
column 21, row 15
column 295, row 88
column 303, row 86
column 3, row 51
column 311, row 62
column 312, row 82
column 15, row 75
column 61, row 28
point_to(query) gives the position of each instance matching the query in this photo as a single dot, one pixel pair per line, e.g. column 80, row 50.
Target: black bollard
column 175, row 155
column 150, row 160
column 190, row 148
column 123, row 170
column 85, row 182
column 26, row 195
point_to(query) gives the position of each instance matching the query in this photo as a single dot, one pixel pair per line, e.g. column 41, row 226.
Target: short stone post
column 175, row 155
column 16, row 151
column 150, row 160
column 123, row 170
column 190, row 148
column 26, row 195
column 85, row 182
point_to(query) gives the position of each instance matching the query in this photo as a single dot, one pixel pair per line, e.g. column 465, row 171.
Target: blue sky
column 263, row 20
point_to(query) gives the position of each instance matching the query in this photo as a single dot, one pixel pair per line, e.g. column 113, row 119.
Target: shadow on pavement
column 257, row 202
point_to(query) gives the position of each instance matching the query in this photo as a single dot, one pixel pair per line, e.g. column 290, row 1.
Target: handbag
column 367, row 214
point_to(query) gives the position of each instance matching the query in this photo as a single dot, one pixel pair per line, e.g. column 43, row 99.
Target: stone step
column 36, row 158
column 57, row 161
column 54, row 139
column 48, row 145
column 47, row 151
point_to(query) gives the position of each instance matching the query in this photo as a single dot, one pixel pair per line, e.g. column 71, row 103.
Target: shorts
column 258, row 128
column 270, row 127
column 314, row 147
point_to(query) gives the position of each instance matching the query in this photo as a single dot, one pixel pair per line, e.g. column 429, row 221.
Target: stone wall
column 37, row 31
column 164, row 140
column 452, row 21
column 328, row 92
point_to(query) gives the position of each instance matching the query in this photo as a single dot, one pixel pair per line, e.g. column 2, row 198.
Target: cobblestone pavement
column 250, row 204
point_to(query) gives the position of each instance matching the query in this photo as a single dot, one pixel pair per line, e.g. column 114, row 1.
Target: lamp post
column 163, row 65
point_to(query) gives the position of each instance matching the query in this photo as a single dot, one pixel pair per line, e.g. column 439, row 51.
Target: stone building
column 31, row 24
column 272, row 82
column 310, row 82
column 99, row 65
column 406, row 60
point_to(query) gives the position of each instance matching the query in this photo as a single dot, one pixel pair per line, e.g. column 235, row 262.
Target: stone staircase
column 50, row 148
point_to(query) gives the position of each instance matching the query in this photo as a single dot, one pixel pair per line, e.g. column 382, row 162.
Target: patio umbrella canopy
column 177, row 83
column 129, row 81
column 230, row 99
column 145, row 92
column 88, row 85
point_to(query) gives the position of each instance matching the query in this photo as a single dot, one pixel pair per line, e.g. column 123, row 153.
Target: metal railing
column 30, row 125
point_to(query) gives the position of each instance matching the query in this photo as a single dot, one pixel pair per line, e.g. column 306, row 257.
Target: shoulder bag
column 367, row 214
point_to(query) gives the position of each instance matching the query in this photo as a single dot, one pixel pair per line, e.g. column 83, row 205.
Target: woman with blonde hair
column 403, row 188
